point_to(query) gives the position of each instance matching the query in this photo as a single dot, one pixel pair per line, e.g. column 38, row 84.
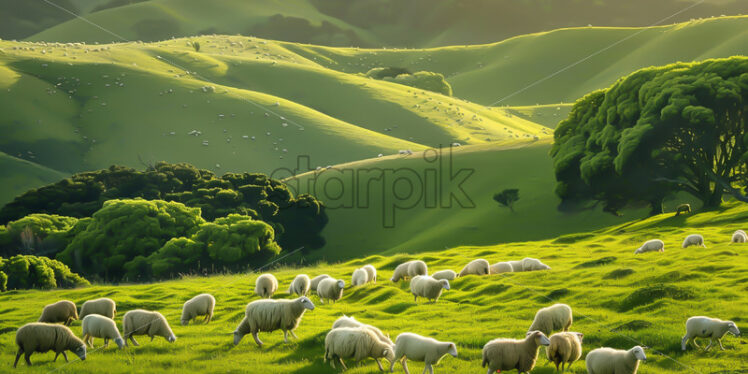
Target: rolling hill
column 619, row 300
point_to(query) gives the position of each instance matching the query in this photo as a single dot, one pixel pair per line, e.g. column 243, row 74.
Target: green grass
column 20, row 175
column 646, row 304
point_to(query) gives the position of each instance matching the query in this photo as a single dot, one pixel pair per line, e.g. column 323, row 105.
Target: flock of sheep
column 349, row 338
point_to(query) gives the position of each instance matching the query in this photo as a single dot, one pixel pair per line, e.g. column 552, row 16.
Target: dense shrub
column 424, row 80
column 24, row 272
column 38, row 234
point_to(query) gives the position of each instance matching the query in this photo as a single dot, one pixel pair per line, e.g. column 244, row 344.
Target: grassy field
column 619, row 300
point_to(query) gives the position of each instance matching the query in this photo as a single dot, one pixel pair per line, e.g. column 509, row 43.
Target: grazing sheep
column 694, row 239
column 565, row 348
column 414, row 347
column 476, row 267
column 103, row 306
column 359, row 278
column 445, row 274
column 62, row 311
column 614, row 361
column 98, row 326
column 682, row 208
column 145, row 322
column 45, row 337
column 371, row 271
column 501, row 267
column 200, row 305
column 271, row 315
column 316, row 280
column 356, row 342
column 739, row 237
column 266, row 285
column 516, row 266
column 409, row 269
column 533, row 264
column 710, row 328
column 654, row 245
column 330, row 289
column 300, row 285
column 553, row 318
column 428, row 287
column 346, row 321
column 508, row 354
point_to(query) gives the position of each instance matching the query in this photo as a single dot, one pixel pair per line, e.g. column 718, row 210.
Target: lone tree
column 656, row 132
column 507, row 197
column 196, row 45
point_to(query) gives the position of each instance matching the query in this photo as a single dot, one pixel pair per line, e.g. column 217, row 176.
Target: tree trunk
column 656, row 207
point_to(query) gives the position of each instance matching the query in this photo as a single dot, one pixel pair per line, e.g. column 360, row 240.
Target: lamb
column 315, row 281
column 654, row 245
column 356, row 342
column 200, row 305
column 330, row 289
column 445, row 274
column 409, row 269
column 516, row 266
column 371, row 271
column 346, row 321
column 300, row 285
column 98, row 326
column 44, row 337
column 103, row 306
column 428, row 287
column 266, row 285
column 682, row 208
column 508, row 354
column 739, row 237
column 501, row 267
column 565, row 348
column 694, row 239
column 271, row 315
column 145, row 322
column 360, row 277
column 63, row 311
column 476, row 267
column 705, row 327
column 409, row 346
column 553, row 318
column 614, row 361
column 533, row 264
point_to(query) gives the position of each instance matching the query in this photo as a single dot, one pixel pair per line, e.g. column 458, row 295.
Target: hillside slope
column 19, row 175
column 638, row 299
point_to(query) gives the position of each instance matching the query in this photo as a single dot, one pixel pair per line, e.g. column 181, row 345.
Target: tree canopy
column 507, row 197
column 24, row 272
column 37, row 234
column 425, row 80
column 656, row 132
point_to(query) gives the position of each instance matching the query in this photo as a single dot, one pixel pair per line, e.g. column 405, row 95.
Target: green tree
column 196, row 46
column 25, row 272
column 40, row 234
column 656, row 132
column 507, row 197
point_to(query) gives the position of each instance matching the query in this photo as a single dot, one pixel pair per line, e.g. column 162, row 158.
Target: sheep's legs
column 709, row 345
column 684, row 342
column 106, row 342
column 429, row 367
column 379, row 364
column 556, row 366
column 18, row 355
column 489, row 371
column 294, row 335
column 208, row 318
column 720, row 344
column 63, row 355
column 342, row 363
column 257, row 339
column 405, row 365
column 27, row 357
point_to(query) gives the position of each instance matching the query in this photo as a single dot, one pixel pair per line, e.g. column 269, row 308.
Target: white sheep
column 266, row 285
column 708, row 328
column 145, row 322
column 614, row 361
column 358, row 343
column 409, row 346
column 316, row 280
column 427, row 287
column 445, row 274
column 694, row 239
column 564, row 348
column 300, row 285
column 359, row 278
column 62, row 311
column 346, row 321
column 533, row 264
column 371, row 271
column 501, row 267
column 271, row 315
column 409, row 269
column 330, row 289
column 516, row 266
column 45, row 337
column 98, row 326
column 654, row 245
column 508, row 354
column 102, row 306
column 553, row 318
column 200, row 305
column 476, row 267
column 739, row 236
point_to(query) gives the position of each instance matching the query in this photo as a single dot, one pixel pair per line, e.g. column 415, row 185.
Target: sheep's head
column 732, row 328
column 120, row 343
column 445, row 284
column 185, row 321
column 306, row 303
column 389, row 354
column 237, row 337
column 539, row 337
column 638, row 352
column 341, row 284
column 579, row 335
column 171, row 338
column 81, row 352
column 452, row 349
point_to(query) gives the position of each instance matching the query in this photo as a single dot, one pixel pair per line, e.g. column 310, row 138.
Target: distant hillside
column 20, row 175
column 363, row 23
